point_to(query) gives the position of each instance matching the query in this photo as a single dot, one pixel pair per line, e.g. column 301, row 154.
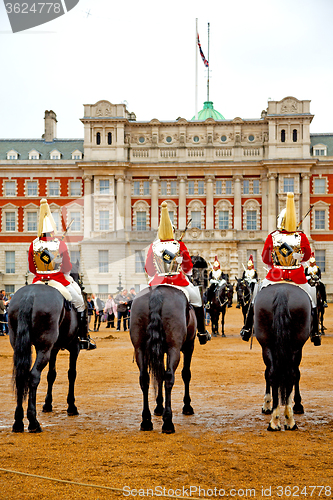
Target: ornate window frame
column 140, row 206
column 197, row 206
column 226, row 206
column 313, row 184
column 76, row 207
column 319, row 147
column 4, row 188
column 251, row 205
column 9, row 208
column 320, row 205
column 31, row 208
column 26, row 188
column 12, row 155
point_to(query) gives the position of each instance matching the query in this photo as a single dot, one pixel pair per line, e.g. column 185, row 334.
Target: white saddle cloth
column 58, row 286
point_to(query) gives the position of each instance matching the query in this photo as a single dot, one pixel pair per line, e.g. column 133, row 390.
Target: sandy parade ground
column 223, row 450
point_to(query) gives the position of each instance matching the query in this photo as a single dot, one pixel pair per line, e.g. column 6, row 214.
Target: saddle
column 185, row 292
column 58, row 286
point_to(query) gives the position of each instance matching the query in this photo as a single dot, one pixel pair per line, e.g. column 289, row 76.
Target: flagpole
column 208, row 66
column 196, row 70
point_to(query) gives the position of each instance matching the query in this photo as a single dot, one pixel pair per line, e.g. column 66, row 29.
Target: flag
column 206, row 63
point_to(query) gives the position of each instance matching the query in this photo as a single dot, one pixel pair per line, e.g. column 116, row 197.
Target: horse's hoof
column 270, row 428
column 287, row 428
column 47, row 409
column 266, row 411
column 146, row 426
column 18, row 427
column 158, row 411
column 168, row 429
column 223, row 335
column 298, row 410
column 36, row 429
column 188, row 410
column 72, row 413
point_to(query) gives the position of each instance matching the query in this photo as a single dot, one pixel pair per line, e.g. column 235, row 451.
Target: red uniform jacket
column 278, row 274
column 66, row 265
column 179, row 279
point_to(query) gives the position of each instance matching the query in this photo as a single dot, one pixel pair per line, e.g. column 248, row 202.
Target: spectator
column 91, row 307
column 110, row 310
column 99, row 306
column 2, row 315
column 6, row 301
column 122, row 300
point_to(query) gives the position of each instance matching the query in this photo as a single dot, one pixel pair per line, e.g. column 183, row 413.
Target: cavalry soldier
column 49, row 260
column 218, row 277
column 169, row 262
column 313, row 273
column 283, row 252
column 250, row 275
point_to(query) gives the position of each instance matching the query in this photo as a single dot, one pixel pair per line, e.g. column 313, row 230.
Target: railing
column 223, row 152
column 192, row 153
column 168, row 153
column 140, row 153
column 252, row 152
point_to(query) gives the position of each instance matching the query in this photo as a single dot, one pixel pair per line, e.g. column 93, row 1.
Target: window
column 169, row 139
column 283, row 135
column 9, row 289
column 54, row 188
column 223, row 219
column 10, row 221
column 103, row 261
column 137, row 188
column 10, row 188
column 139, row 261
column 218, row 187
column 223, row 138
column 109, row 138
column 32, row 221
column 104, row 186
column 141, row 221
column 164, row 187
column 32, row 188
column 256, row 186
column 56, row 219
column 246, row 186
column 75, row 188
column 98, row 138
column 319, row 219
column 321, row 260
column 10, row 262
column 76, row 216
column 75, row 256
column 228, row 187
column 251, row 220
column 319, row 186
column 103, row 288
column 288, row 185
column 294, row 135
column 251, row 138
column 190, row 187
column 196, row 138
column 141, row 140
column 104, row 220
column 196, row 219
column 201, row 187
column 172, row 216
column 145, row 187
column 173, row 188
column 319, row 152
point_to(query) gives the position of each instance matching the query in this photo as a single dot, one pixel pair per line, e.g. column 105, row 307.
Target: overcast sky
column 143, row 52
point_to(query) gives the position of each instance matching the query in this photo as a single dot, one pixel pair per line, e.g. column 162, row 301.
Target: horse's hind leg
column 223, row 316
column 41, row 361
column 73, row 354
column 267, row 406
column 290, row 424
column 172, row 363
column 51, row 376
column 159, row 401
column 186, row 375
column 298, row 407
column 18, row 425
column 146, row 423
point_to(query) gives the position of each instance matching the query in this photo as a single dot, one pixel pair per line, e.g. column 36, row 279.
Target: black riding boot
column 203, row 335
column 315, row 336
column 246, row 331
column 85, row 341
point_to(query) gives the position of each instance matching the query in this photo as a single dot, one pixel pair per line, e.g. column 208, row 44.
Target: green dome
column 208, row 111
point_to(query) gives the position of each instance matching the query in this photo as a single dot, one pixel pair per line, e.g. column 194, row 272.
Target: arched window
column 294, row 135
column 98, row 138
column 283, row 135
column 109, row 138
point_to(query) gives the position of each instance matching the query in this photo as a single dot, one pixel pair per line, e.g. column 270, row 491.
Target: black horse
column 314, row 281
column 282, row 325
column 244, row 294
column 216, row 297
column 162, row 323
column 39, row 316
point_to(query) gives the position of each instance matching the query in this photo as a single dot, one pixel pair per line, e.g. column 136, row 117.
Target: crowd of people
column 114, row 311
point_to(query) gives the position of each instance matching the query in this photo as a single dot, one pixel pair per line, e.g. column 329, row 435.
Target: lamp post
column 26, row 278
column 119, row 287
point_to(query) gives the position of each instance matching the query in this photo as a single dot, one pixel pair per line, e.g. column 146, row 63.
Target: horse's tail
column 22, row 348
column 156, row 337
column 282, row 330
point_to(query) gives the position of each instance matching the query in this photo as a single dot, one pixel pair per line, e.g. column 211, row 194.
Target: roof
column 208, row 111
column 326, row 139
column 24, row 146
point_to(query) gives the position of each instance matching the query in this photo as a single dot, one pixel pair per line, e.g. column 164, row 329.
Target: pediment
column 237, row 120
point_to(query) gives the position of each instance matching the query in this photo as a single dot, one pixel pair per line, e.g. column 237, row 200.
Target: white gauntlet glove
column 179, row 259
column 298, row 256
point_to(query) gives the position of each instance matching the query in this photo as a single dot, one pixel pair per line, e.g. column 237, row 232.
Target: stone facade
column 229, row 176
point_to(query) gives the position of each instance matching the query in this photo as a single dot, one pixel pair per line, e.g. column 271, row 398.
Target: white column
column 87, row 206
column 209, row 201
column 128, row 191
column 237, row 202
column 264, row 202
column 154, row 202
column 305, row 203
column 120, row 207
column 182, row 202
column 271, row 202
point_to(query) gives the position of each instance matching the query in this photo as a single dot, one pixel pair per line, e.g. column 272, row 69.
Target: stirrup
column 88, row 343
column 325, row 304
column 204, row 337
column 246, row 333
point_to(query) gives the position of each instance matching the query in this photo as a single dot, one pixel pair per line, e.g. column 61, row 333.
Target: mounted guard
column 284, row 251
column 169, row 263
column 250, row 275
column 313, row 275
column 49, row 261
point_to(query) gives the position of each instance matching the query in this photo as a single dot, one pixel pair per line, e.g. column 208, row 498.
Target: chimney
column 50, row 126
